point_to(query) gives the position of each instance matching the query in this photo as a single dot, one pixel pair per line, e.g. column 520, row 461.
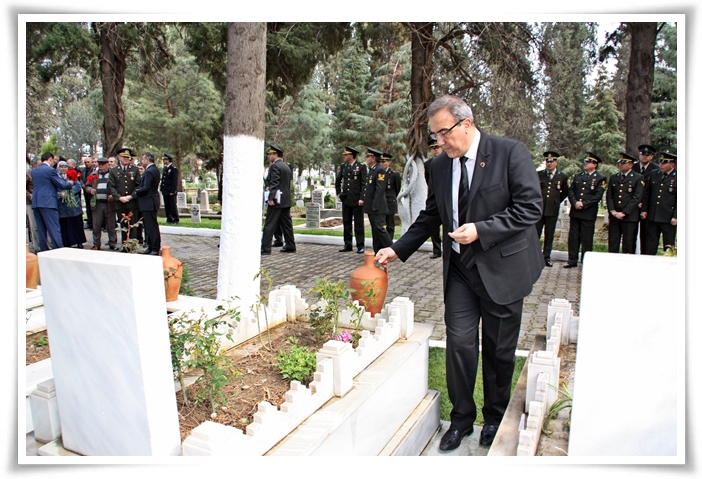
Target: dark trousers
column 88, row 211
column 171, row 207
column 125, row 209
column 390, row 226
column 642, row 236
column 581, row 234
column 48, row 222
column 101, row 217
column 436, row 241
column 151, row 231
column 381, row 239
column 275, row 217
column 353, row 214
column 623, row 232
column 653, row 236
column 467, row 302
column 549, row 224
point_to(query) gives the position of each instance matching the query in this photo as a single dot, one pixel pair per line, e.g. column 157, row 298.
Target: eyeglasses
column 550, row 161
column 437, row 147
column 646, row 153
column 445, row 131
column 589, row 161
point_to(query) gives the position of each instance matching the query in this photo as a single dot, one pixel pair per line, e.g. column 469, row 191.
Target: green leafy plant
column 185, row 288
column 325, row 319
column 565, row 400
column 41, row 341
column 195, row 344
column 298, row 364
column 129, row 245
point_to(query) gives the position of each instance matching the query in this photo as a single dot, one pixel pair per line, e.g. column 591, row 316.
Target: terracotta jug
column 32, row 270
column 172, row 273
column 367, row 278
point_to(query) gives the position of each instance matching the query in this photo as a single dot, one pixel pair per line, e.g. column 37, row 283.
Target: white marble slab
column 628, row 397
column 111, row 357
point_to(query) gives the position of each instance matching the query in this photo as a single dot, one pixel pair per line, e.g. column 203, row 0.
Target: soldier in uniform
column 436, row 234
column 644, row 166
column 624, row 196
column 554, row 189
column 374, row 203
column 279, row 203
column 586, row 191
column 393, row 189
column 169, row 189
column 123, row 184
column 350, row 182
column 660, row 205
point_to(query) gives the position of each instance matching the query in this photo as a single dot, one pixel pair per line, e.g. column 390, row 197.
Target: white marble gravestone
column 313, row 215
column 181, row 201
column 204, row 200
column 318, row 197
column 195, row 213
column 110, row 354
column 627, row 397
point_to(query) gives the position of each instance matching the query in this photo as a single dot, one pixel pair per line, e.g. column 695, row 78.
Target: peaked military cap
column 593, row 158
column 647, row 150
column 126, row 153
column 433, row 143
column 350, row 151
column 275, row 149
column 624, row 157
column 668, row 157
column 166, row 156
column 551, row 154
column 374, row 152
column 385, row 156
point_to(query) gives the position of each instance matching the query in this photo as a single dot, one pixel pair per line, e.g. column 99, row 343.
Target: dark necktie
column 467, row 255
column 550, row 176
column 665, row 175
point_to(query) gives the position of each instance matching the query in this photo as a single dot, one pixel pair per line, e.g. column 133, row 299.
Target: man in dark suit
column 349, row 183
column 394, row 183
column 436, row 234
column 374, row 203
column 645, row 166
column 279, row 203
column 47, row 183
column 554, row 189
column 624, row 195
column 169, row 189
column 661, row 205
column 149, row 203
column 124, row 181
column 89, row 168
column 586, row 191
column 485, row 192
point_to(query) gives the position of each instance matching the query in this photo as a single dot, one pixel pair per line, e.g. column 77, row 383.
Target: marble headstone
column 195, row 213
column 313, row 215
column 318, row 197
column 181, row 200
column 110, row 354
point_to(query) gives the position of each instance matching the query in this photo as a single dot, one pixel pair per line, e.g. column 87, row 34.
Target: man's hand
column 360, row 202
column 643, row 215
column 385, row 256
column 271, row 203
column 123, row 199
column 578, row 205
column 674, row 222
column 465, row 234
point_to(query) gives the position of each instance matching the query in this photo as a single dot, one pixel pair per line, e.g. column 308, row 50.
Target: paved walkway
column 419, row 278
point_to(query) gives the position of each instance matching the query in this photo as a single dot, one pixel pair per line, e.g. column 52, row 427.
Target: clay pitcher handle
column 380, row 266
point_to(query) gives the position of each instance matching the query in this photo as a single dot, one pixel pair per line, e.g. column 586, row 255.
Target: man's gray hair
column 71, row 162
column 456, row 106
column 149, row 157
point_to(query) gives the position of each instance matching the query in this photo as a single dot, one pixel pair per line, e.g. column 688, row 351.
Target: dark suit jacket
column 649, row 169
column 553, row 191
column 624, row 193
column 661, row 197
column 589, row 189
column 350, row 182
column 148, row 190
column 374, row 202
column 394, row 183
column 47, row 183
column 504, row 203
column 169, row 180
column 279, row 176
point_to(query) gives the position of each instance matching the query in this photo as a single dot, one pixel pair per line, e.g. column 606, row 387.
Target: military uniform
column 374, row 203
column 350, row 182
column 646, row 171
column 124, row 181
column 624, row 194
column 554, row 189
column 169, row 190
column 394, row 183
column 660, row 204
column 588, row 188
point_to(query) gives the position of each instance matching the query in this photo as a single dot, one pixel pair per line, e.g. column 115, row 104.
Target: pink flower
column 345, row 336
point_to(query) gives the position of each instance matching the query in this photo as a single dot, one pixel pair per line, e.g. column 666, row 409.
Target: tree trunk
column 420, row 87
column 112, row 67
column 242, row 196
column 640, row 84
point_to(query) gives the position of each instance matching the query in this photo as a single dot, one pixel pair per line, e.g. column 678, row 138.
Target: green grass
column 437, row 381
column 185, row 221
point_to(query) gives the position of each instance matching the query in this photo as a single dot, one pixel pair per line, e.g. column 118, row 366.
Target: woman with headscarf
column 69, row 209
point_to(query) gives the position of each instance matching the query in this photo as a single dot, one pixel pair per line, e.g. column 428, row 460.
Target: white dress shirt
column 472, row 153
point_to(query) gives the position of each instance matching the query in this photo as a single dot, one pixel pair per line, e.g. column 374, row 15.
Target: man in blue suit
column 485, row 192
column 149, row 203
column 47, row 184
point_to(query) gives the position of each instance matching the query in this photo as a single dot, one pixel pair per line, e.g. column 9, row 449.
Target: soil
column 330, row 223
column 256, row 379
column 36, row 352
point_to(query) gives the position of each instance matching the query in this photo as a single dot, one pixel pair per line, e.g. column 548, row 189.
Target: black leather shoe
column 360, row 251
column 148, row 251
column 452, row 438
column 487, row 435
column 286, row 250
column 153, row 253
column 434, row 256
column 344, row 250
column 568, row 265
column 278, row 244
column 268, row 253
column 548, row 263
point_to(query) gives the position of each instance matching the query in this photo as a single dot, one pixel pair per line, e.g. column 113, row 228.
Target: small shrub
column 41, row 341
column 298, row 364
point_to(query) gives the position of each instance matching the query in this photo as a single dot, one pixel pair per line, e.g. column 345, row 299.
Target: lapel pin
column 482, row 164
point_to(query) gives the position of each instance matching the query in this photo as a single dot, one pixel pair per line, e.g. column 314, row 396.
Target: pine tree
column 664, row 108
